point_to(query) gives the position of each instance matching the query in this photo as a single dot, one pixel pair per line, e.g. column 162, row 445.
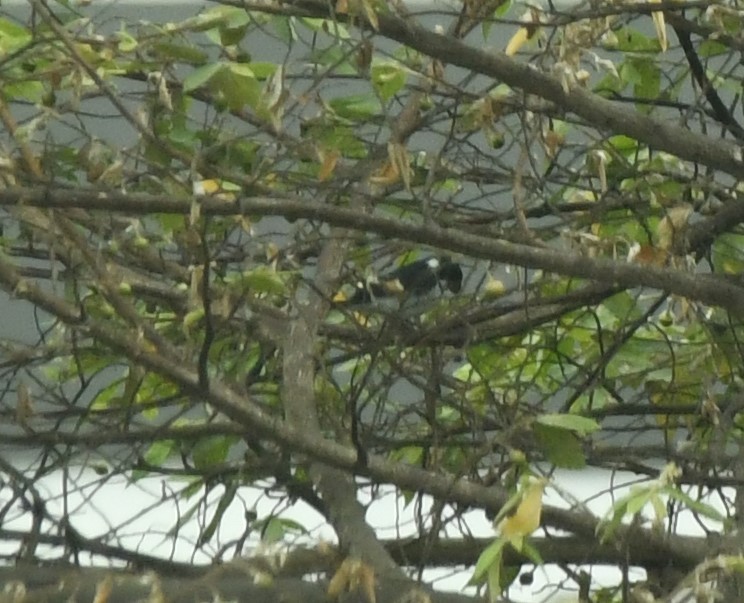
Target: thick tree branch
column 336, row 487
column 705, row 288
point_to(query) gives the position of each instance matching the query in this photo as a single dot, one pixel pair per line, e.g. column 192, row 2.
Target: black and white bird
column 416, row 279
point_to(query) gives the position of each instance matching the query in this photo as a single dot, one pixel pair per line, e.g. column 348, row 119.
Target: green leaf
column 636, row 502
column 220, row 16
column 357, row 107
column 695, row 505
column 628, row 505
column 193, row 318
column 335, row 58
column 230, row 36
column 264, row 280
column 624, row 145
column 331, row 27
column 647, row 82
column 490, row 556
column 532, row 553
column 211, row 451
column 388, row 78
column 560, row 446
column 28, row 90
column 192, row 489
column 494, row 582
column 580, row 425
column 223, row 504
column 274, row 528
column 411, row 455
column 728, row 253
column 159, row 452
column 12, row 36
column 126, row 41
column 234, row 82
column 509, row 573
column 180, row 53
column 239, row 86
column 630, row 40
column 234, row 17
column 284, row 28
column 486, row 25
column 712, row 48
column 201, row 76
column 262, row 70
column 623, row 306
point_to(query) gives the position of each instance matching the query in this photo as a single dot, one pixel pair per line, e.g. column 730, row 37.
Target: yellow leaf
column 493, row 287
column 357, row 7
column 103, row 590
column 221, row 189
column 648, row 254
column 398, row 157
column 353, row 576
column 366, row 583
column 340, row 581
column 660, row 27
column 24, row 404
column 526, row 519
column 272, row 252
column 330, row 159
column 673, row 225
column 244, row 223
column 553, row 141
column 369, row 12
column 206, row 187
column 386, row 175
column 517, row 41
column 661, row 393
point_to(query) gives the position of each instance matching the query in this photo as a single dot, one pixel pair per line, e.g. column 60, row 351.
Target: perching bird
column 412, row 280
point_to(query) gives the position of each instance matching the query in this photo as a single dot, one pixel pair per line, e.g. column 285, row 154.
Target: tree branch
column 708, row 289
column 245, row 412
column 605, row 115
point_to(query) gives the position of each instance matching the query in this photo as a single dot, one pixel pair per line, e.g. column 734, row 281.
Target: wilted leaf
column 673, row 226
column 330, row 158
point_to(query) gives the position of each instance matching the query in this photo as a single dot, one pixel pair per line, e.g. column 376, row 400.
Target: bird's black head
column 451, row 273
